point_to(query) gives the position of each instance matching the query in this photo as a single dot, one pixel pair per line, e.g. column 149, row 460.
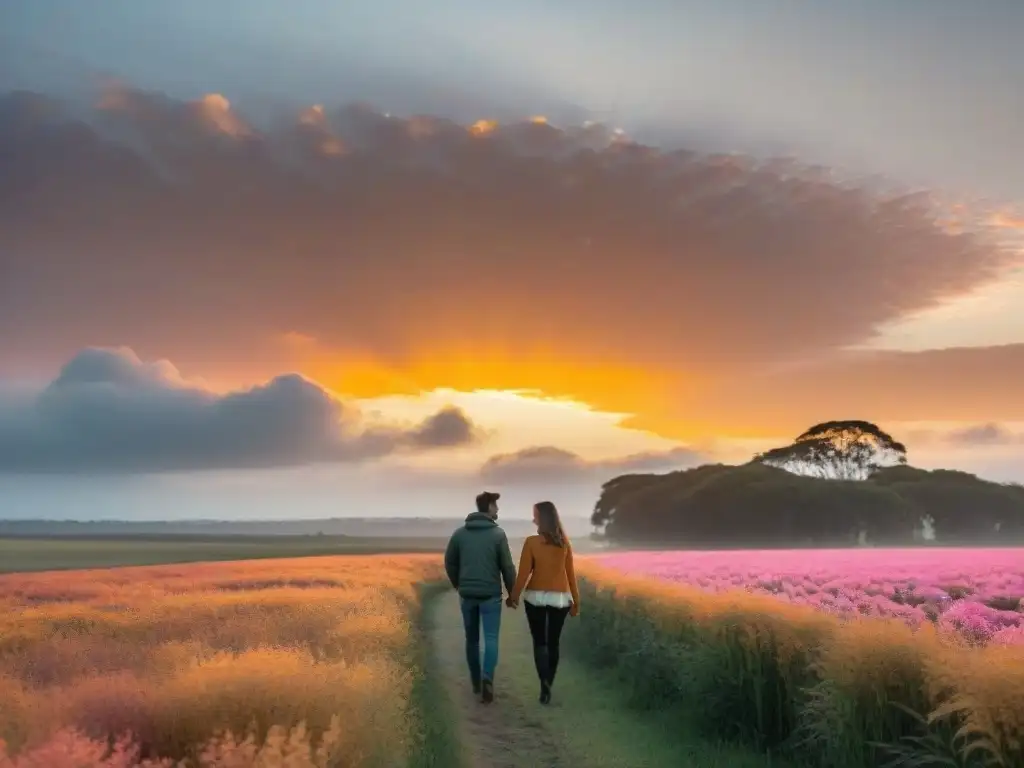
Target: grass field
column 588, row 724
column 357, row 661
column 227, row 664
column 813, row 687
column 71, row 552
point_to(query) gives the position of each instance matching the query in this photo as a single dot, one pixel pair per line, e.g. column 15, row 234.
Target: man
column 477, row 560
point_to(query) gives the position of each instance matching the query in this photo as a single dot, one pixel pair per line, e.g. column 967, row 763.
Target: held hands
column 513, row 604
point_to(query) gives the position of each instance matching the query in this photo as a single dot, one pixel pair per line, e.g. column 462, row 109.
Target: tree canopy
column 838, row 450
column 839, row 483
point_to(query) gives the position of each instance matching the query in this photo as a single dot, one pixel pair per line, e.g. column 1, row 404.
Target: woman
column 550, row 594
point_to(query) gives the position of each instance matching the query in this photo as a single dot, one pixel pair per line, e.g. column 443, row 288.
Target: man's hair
column 484, row 501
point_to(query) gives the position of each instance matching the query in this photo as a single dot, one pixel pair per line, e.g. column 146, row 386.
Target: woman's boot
column 542, row 662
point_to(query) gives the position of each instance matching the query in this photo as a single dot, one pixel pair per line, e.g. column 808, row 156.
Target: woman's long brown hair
column 549, row 525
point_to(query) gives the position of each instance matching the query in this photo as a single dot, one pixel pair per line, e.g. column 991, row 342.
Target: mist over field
column 298, row 494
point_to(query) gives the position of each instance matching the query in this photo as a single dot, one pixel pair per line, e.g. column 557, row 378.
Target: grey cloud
column 448, row 427
column 982, row 434
column 107, row 411
column 990, row 434
column 552, row 465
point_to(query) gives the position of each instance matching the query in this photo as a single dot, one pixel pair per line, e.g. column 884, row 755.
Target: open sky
column 324, row 258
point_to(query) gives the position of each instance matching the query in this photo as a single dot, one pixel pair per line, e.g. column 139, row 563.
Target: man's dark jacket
column 478, row 559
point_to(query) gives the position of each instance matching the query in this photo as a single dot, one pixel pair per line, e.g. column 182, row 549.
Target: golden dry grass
column 850, row 679
column 293, row 663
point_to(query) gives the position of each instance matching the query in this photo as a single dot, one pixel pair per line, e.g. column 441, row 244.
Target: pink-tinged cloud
column 555, row 466
column 185, row 230
column 972, row 385
column 984, row 435
column 1004, row 220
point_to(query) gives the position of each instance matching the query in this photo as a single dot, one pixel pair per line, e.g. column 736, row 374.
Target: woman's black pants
column 546, row 628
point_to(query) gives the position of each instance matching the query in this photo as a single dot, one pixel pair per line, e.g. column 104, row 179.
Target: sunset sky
column 323, row 258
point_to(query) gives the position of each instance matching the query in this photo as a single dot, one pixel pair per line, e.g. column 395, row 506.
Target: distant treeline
column 838, row 483
column 758, row 503
column 410, row 527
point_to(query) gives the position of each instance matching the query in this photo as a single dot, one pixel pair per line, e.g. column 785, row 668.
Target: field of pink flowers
column 976, row 593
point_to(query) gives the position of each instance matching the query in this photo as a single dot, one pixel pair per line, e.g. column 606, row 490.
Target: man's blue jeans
column 488, row 613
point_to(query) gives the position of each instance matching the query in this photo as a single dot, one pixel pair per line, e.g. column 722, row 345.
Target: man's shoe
column 476, row 687
column 488, row 692
column 545, row 692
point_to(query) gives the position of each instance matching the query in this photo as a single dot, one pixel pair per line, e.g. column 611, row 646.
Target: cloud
column 513, row 255
column 108, row 411
column 552, row 465
column 972, row 436
column 983, row 434
column 1005, row 220
column 962, row 384
column 448, row 428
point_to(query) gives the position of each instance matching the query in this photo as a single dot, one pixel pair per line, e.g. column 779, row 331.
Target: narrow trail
column 508, row 733
column 587, row 725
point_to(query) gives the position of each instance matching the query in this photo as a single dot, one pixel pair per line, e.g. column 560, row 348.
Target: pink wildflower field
column 976, row 593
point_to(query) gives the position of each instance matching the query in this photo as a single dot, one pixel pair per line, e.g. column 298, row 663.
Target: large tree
column 863, row 491
column 838, row 450
column 618, row 491
column 751, row 505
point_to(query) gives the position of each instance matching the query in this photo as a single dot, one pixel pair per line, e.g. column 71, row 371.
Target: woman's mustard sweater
column 546, row 568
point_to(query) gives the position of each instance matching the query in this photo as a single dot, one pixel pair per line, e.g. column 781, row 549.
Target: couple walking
column 478, row 560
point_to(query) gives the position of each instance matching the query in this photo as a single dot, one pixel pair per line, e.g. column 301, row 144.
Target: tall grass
column 308, row 662
column 436, row 745
column 801, row 683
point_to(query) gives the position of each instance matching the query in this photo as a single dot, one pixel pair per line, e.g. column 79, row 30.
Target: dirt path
column 587, row 725
column 510, row 732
